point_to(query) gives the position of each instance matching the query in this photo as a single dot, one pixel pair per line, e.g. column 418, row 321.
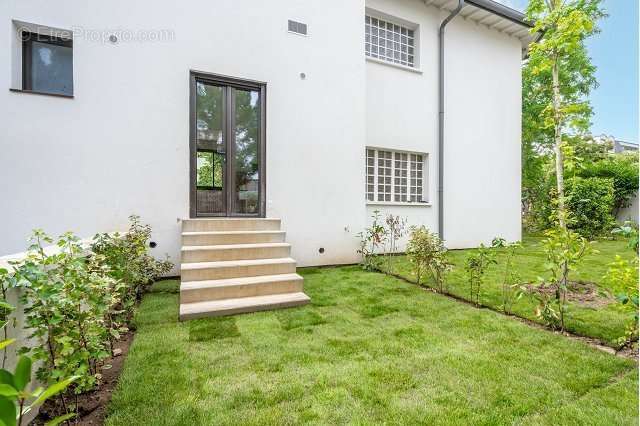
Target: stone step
column 200, row 271
column 210, row 238
column 230, row 224
column 235, row 252
column 233, row 288
column 241, row 305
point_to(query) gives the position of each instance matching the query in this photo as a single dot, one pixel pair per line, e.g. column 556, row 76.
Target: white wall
column 482, row 124
column 629, row 213
column 121, row 145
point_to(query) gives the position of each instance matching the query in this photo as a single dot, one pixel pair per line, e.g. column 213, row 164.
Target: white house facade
column 316, row 113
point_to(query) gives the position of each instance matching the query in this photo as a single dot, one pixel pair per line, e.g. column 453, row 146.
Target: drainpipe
column 444, row 23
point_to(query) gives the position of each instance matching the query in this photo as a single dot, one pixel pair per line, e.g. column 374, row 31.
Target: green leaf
column 60, row 419
column 22, row 376
column 7, row 412
column 6, row 377
column 7, row 390
column 54, row 390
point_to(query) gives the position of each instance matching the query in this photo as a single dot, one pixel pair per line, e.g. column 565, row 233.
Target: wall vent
column 297, row 27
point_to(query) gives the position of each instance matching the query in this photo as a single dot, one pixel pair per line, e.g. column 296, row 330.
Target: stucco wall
column 482, row 122
column 121, row 145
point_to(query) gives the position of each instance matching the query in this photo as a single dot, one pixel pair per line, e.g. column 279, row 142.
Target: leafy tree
column 557, row 77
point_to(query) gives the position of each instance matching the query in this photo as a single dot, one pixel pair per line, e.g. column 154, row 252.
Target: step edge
column 189, row 266
column 234, row 246
column 225, row 282
column 276, row 298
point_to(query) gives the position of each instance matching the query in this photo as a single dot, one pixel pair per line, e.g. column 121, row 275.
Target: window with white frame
column 389, row 41
column 395, row 176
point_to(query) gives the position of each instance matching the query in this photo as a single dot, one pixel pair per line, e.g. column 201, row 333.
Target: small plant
column 564, row 250
column 5, row 310
column 16, row 400
column 629, row 230
column 396, row 229
column 510, row 278
column 476, row 265
column 427, row 254
column 371, row 239
column 622, row 277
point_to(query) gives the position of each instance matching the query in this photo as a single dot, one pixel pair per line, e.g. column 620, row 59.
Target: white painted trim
column 394, row 65
column 397, row 203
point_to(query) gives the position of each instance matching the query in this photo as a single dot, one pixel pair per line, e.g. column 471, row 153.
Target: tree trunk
column 558, row 145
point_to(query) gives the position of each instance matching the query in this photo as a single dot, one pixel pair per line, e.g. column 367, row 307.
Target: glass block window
column 416, row 177
column 389, row 42
column 371, row 175
column 384, row 175
column 394, row 176
column 400, row 179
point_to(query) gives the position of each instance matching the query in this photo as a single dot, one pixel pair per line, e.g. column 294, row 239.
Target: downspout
column 444, row 23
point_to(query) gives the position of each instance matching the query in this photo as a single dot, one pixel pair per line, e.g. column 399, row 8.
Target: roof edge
column 501, row 10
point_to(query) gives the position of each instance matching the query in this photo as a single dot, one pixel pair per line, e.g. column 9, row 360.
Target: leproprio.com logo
column 99, row 35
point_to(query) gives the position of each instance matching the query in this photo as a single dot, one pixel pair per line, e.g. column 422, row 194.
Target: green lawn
column 369, row 349
column 606, row 323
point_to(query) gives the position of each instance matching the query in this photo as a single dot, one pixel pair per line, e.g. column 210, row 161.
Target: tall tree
column 557, row 79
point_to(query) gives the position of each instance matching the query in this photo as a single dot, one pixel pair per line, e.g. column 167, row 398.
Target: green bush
column 590, row 203
column 78, row 300
column 623, row 170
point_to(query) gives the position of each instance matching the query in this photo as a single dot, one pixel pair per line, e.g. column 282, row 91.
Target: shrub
column 76, row 302
column 128, row 261
column 622, row 278
column 371, row 239
column 623, row 170
column 564, row 250
column 476, row 265
column 427, row 254
column 590, row 202
column 65, row 299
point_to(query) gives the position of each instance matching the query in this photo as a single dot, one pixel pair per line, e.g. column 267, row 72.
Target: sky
column 614, row 51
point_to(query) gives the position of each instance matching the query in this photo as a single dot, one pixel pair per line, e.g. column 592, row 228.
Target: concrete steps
column 236, row 265
column 204, row 238
column 215, row 308
column 235, row 252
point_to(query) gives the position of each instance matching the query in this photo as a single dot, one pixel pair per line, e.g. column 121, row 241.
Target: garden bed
column 592, row 311
column 92, row 406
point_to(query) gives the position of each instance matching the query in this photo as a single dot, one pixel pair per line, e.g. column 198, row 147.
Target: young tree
column 557, row 78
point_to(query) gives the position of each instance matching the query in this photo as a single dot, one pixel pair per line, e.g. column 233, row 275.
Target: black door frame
column 233, row 82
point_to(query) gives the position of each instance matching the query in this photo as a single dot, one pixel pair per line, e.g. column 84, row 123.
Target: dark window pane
column 51, row 69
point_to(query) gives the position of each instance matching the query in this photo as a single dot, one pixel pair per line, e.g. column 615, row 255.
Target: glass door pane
column 246, row 149
column 210, row 150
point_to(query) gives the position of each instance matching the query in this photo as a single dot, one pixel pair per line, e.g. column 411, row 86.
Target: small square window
column 47, row 64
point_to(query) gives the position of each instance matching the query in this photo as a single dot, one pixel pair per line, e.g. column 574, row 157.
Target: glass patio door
column 227, row 147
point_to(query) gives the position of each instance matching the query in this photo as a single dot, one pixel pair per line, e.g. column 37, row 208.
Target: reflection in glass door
column 246, row 173
column 227, row 147
column 210, row 150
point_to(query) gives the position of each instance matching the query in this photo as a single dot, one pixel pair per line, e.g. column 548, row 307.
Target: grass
column 369, row 349
column 606, row 323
